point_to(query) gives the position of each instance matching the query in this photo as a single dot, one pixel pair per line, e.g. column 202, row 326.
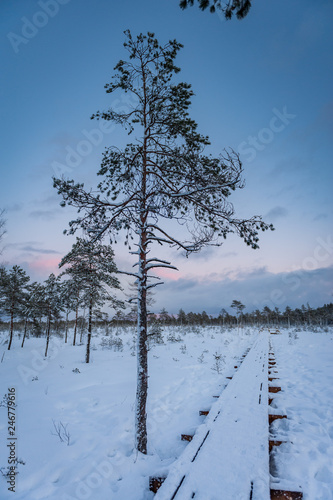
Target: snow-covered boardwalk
column 228, row 456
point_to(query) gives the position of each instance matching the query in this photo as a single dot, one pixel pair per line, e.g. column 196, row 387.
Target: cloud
column 38, row 269
column 320, row 217
column 14, row 207
column 255, row 288
column 29, row 248
column 44, row 214
column 276, row 213
column 42, row 268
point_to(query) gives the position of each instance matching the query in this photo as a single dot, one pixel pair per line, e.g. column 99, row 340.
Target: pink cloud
column 45, row 267
column 167, row 274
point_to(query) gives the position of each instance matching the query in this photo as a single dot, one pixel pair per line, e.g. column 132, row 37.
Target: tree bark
column 25, row 331
column 89, row 331
column 142, row 347
column 48, row 333
column 82, row 324
column 75, row 324
column 142, row 353
column 11, row 328
column 66, row 330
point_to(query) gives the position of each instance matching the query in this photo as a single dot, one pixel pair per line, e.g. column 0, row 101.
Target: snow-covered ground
column 304, row 362
column 95, row 404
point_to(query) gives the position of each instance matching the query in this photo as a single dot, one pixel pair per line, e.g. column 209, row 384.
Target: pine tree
column 181, row 317
column 164, row 317
column 288, row 313
column 229, row 7
column 223, row 314
column 52, row 304
column 236, row 304
column 205, row 318
column 133, row 301
column 163, row 175
column 33, row 306
column 267, row 313
column 13, row 286
column 93, row 268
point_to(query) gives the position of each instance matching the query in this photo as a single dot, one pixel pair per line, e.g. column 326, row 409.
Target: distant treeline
column 304, row 316
column 321, row 316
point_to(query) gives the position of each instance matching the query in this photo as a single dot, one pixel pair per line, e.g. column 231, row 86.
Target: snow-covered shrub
column 111, row 342
column 172, row 337
column 197, row 330
column 201, row 358
column 218, row 362
column 155, row 335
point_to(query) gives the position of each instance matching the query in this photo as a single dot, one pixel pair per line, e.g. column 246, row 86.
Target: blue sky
column 262, row 86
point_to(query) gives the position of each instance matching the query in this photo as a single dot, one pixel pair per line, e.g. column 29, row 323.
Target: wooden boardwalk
column 227, row 459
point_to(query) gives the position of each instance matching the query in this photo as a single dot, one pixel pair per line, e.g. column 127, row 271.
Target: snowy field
column 75, row 422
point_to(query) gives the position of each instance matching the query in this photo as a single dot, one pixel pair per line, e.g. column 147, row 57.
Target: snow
column 96, row 402
column 304, row 362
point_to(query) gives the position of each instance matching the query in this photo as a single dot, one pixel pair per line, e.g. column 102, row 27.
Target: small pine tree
column 155, row 334
column 236, row 304
column 93, row 268
column 181, row 318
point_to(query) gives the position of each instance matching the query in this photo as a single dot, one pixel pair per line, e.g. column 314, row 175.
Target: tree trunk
column 66, row 330
column 142, row 345
column 89, row 332
column 11, row 328
column 25, row 331
column 48, row 333
column 142, row 353
column 82, row 324
column 75, row 324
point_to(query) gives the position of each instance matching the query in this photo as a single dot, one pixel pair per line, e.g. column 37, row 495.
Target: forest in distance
column 40, row 308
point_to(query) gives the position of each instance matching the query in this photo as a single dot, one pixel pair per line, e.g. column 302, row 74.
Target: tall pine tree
column 240, row 8
column 163, row 175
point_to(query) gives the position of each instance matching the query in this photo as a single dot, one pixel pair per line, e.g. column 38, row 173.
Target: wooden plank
column 286, row 495
column 274, row 443
column 186, row 437
column 274, row 390
column 155, row 483
column 271, row 418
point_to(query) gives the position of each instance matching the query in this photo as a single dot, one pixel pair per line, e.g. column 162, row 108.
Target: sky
column 262, row 87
